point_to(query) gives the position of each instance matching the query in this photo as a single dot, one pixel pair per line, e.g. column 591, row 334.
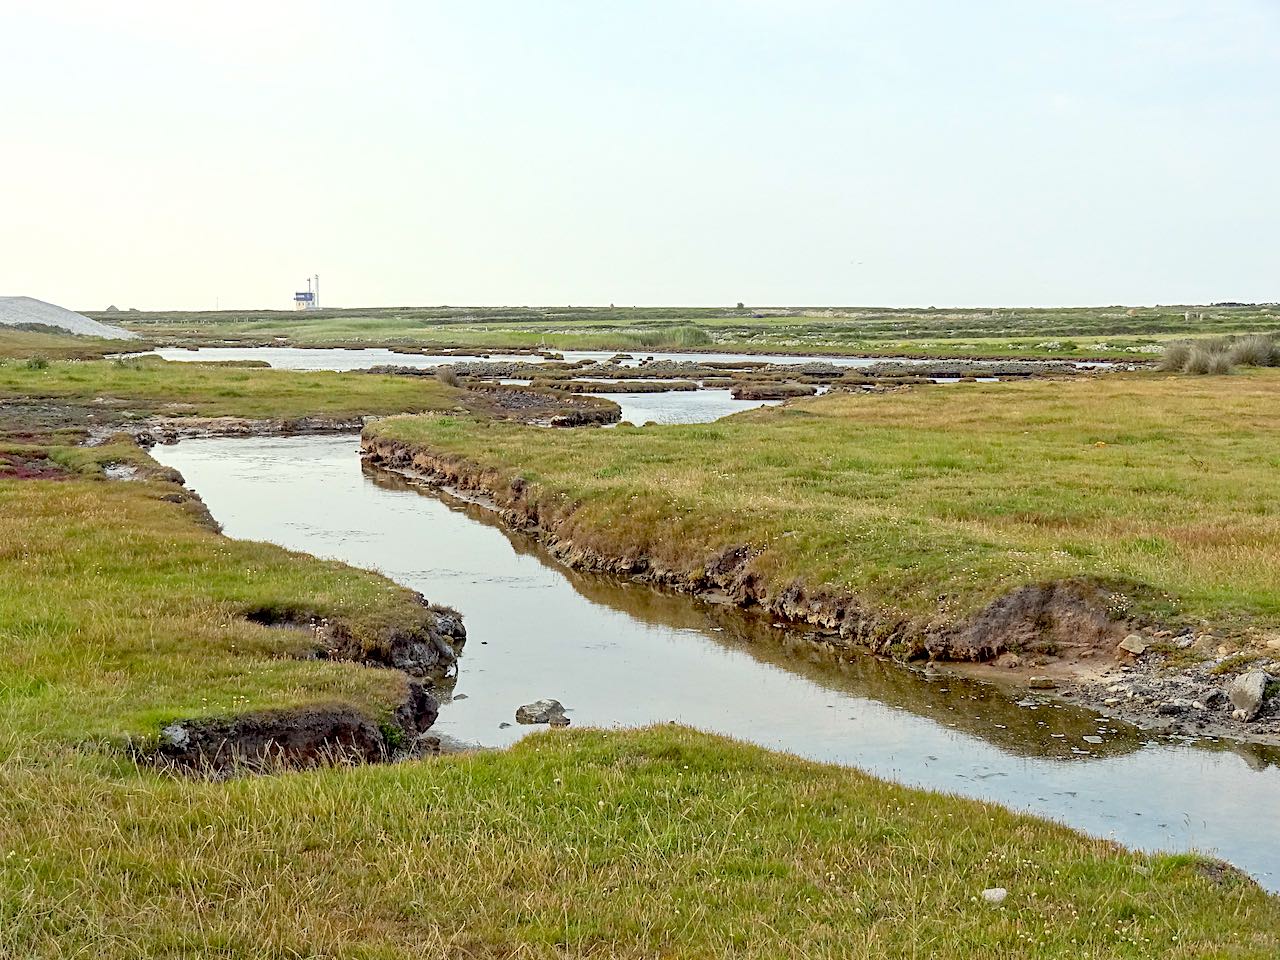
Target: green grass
column 1084, row 332
column 17, row 342
column 660, row 842
column 195, row 389
column 933, row 501
column 119, row 612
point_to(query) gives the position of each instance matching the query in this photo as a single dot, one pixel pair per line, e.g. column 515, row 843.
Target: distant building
column 308, row 299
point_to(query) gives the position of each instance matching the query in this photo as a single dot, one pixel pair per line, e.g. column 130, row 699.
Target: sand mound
column 20, row 310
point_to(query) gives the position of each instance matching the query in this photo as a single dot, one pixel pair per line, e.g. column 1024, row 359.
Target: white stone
column 1134, row 643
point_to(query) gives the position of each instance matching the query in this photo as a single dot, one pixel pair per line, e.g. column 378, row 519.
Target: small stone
column 1042, row 683
column 459, row 696
column 503, row 725
column 1185, row 643
column 1274, row 644
column 1091, row 739
column 1247, row 692
column 1134, row 643
column 995, row 894
column 175, row 735
column 540, row 711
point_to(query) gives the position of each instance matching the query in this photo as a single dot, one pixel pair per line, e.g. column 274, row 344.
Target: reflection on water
column 617, row 653
column 681, row 406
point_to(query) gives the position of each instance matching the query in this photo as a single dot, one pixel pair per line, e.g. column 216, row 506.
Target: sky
column 161, row 155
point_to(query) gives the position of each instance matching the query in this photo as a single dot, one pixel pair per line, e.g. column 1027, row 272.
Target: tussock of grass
column 933, row 502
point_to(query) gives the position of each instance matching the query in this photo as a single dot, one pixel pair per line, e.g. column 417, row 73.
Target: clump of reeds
column 1175, row 357
column 1257, row 350
column 1219, row 355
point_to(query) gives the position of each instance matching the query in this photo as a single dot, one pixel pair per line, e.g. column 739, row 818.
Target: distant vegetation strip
column 1113, row 332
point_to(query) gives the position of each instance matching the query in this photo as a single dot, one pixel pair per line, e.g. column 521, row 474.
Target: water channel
column 621, row 654
column 331, row 358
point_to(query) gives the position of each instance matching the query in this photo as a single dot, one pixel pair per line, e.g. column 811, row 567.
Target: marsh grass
column 47, row 342
column 657, row 842
column 222, row 390
column 934, row 501
column 120, row 610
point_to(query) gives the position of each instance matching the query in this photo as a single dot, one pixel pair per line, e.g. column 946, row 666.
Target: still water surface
column 621, row 654
column 327, row 358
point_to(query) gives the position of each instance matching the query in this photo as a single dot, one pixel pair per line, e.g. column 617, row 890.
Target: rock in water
column 1042, row 683
column 1247, row 692
column 1135, row 644
column 542, row 711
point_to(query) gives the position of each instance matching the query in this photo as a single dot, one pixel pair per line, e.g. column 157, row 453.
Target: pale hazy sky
column 164, row 154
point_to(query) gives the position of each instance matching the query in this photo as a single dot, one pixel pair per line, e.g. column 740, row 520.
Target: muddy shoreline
column 1060, row 639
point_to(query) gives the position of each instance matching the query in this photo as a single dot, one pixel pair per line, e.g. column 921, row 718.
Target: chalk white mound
column 17, row 310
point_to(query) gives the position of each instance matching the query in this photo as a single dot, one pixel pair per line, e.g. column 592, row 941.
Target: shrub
column 448, row 376
column 1203, row 358
column 1255, row 351
column 1220, row 363
column 1175, row 357
column 38, row 363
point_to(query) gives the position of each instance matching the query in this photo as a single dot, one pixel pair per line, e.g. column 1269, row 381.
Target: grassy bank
column 121, row 611
column 932, row 502
column 215, row 390
column 1082, row 332
column 25, row 344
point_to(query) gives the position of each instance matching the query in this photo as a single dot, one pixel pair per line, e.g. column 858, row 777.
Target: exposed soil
column 772, row 391
column 273, row 740
column 1059, row 637
column 22, row 466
